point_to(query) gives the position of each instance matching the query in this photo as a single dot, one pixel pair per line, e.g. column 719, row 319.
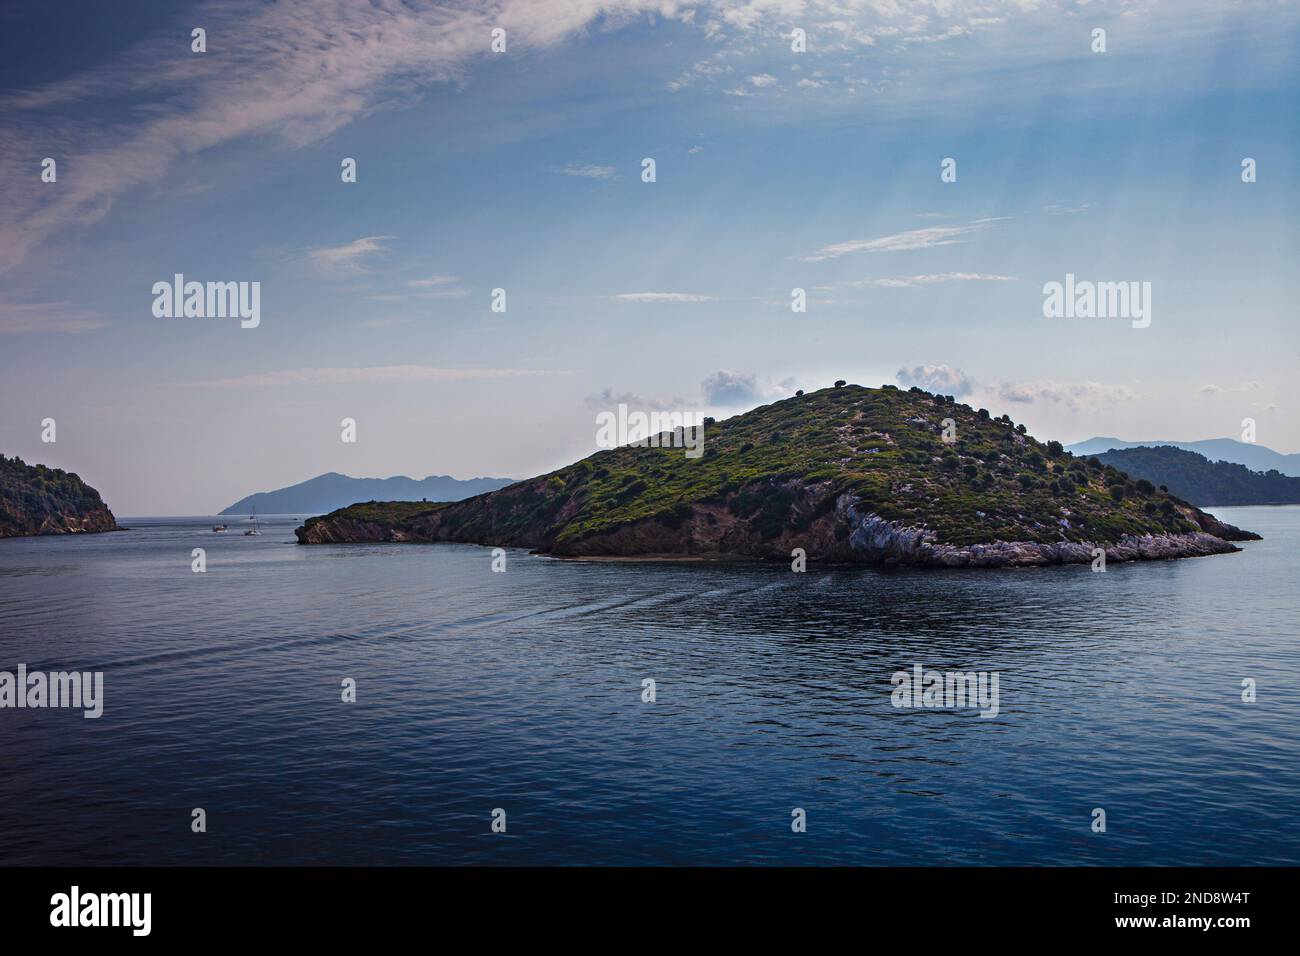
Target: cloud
column 956, row 30
column 1073, row 395
column 608, row 398
column 910, row 282
column 731, row 389
column 457, row 293
column 946, row 380
column 589, row 171
column 939, row 379
column 432, row 282
column 47, row 317
column 296, row 70
column 663, row 297
column 694, row 149
column 926, row 237
column 722, row 389
column 1064, row 209
column 701, row 69
column 347, row 259
column 1212, row 389
column 431, row 287
column 373, row 375
column 761, row 80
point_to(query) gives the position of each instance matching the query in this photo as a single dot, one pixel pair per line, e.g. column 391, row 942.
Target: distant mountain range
column 1254, row 457
column 332, row 491
column 1202, row 482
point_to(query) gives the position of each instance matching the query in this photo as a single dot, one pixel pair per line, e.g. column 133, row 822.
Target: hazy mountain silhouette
column 331, row 491
column 1254, row 457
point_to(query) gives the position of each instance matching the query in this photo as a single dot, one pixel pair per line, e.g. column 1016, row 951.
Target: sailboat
column 254, row 528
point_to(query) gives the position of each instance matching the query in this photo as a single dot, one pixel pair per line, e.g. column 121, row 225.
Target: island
column 1203, row 482
column 847, row 474
column 332, row 490
column 39, row 500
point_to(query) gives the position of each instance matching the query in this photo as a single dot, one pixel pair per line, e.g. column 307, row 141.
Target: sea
column 408, row 704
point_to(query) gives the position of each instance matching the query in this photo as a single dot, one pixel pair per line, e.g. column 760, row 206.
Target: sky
column 522, row 170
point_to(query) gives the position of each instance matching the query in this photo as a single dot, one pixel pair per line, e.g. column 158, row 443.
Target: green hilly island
column 847, row 473
column 39, row 500
column 1195, row 478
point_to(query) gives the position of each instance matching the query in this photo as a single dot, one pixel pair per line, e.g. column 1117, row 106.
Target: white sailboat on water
column 254, row 529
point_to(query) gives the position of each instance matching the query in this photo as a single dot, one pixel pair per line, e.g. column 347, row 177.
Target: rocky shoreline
column 847, row 535
column 94, row 521
column 36, row 500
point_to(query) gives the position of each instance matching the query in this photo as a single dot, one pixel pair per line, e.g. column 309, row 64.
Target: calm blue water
column 523, row 691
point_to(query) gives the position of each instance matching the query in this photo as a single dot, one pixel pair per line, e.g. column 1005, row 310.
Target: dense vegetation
column 782, row 466
column 1203, row 482
column 39, row 500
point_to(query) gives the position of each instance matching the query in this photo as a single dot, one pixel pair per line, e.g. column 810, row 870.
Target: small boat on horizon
column 219, row 529
column 254, row 529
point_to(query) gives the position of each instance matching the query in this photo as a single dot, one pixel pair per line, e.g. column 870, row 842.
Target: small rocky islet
column 849, row 474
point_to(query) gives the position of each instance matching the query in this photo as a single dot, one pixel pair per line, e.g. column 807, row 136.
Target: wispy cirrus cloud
column 432, row 282
column 371, row 375
column 911, row 282
column 588, row 171
column 47, row 317
column 926, row 237
column 293, row 71
column 662, row 297
column 296, row 71
column 438, row 287
column 1065, row 208
column 348, row 259
column 428, row 287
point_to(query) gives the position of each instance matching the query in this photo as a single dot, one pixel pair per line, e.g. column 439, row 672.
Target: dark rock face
column 346, row 531
column 35, row 500
column 17, row 523
column 1221, row 529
